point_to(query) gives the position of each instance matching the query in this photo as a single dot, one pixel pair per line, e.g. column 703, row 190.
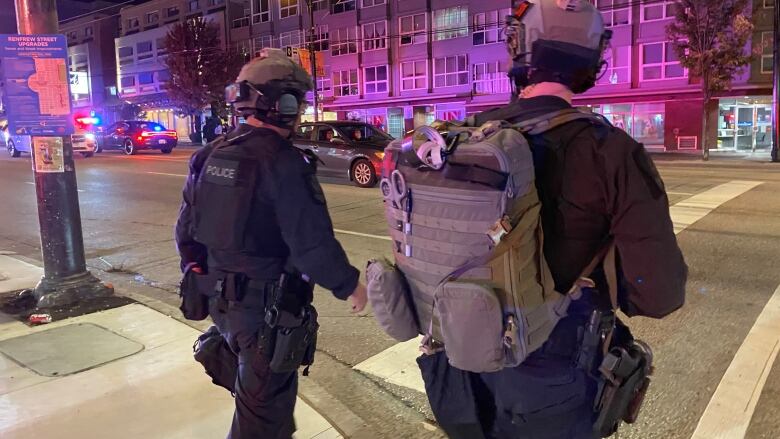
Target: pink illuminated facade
column 402, row 63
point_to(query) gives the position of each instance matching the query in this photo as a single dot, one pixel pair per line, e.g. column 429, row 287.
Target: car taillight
column 147, row 134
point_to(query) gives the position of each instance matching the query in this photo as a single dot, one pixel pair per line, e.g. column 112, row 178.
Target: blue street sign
column 35, row 88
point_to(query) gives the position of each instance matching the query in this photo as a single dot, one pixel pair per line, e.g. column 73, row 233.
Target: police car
column 82, row 140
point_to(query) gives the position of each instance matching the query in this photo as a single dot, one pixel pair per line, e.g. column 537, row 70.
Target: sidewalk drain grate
column 69, row 349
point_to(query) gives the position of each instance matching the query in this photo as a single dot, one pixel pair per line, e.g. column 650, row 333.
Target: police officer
column 252, row 210
column 595, row 183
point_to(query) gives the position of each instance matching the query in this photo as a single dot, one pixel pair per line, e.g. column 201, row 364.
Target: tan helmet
column 556, row 41
column 271, row 87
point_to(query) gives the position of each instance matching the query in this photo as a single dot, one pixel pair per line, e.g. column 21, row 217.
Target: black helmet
column 272, row 88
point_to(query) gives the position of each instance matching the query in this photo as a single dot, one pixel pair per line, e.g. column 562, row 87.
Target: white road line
column 165, row 173
column 731, row 407
column 397, row 364
column 364, row 235
column 692, row 209
column 33, row 183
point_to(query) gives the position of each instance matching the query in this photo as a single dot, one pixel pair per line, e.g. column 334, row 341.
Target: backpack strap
column 546, row 122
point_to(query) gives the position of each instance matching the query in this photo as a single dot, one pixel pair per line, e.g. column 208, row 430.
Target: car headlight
column 89, row 136
column 380, row 155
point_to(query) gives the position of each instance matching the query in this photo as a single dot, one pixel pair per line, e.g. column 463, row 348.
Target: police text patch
column 222, row 172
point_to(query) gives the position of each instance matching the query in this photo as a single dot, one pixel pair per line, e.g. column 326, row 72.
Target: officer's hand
column 358, row 298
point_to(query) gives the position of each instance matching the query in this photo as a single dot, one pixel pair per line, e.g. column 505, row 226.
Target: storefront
column 643, row 121
column 171, row 120
column 398, row 120
column 745, row 124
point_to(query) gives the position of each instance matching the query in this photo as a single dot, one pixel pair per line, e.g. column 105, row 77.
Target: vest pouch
column 390, row 300
column 471, row 321
column 223, row 203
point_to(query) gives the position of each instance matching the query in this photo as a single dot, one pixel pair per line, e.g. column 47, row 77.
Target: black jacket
column 288, row 219
column 596, row 182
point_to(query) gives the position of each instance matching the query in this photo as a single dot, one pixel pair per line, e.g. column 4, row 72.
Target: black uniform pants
column 264, row 400
column 546, row 397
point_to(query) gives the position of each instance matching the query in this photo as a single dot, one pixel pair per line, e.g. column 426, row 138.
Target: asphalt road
column 129, row 206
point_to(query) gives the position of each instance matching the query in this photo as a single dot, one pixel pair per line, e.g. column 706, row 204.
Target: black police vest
column 229, row 215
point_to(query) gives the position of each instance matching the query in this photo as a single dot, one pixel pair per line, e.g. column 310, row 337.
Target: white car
column 83, row 142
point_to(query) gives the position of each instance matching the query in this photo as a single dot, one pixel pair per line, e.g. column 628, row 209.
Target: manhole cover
column 68, row 349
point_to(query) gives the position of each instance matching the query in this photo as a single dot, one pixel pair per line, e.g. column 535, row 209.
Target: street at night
column 726, row 215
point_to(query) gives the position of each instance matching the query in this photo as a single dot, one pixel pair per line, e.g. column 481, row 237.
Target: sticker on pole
column 48, row 154
column 36, row 93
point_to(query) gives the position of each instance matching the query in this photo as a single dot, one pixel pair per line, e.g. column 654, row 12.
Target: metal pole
column 313, row 59
column 65, row 276
column 776, row 86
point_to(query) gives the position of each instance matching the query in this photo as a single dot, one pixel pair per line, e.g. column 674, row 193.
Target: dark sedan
column 133, row 135
column 346, row 149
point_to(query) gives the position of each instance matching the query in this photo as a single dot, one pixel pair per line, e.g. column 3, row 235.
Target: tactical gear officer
column 596, row 185
column 253, row 210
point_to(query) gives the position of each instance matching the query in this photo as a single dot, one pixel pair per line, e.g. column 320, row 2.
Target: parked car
column 346, row 149
column 83, row 142
column 130, row 136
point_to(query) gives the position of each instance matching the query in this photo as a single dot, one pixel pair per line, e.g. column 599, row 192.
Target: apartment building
column 140, row 54
column 91, row 62
column 402, row 63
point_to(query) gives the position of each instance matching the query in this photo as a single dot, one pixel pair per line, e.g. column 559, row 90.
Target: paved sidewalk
column 127, row 372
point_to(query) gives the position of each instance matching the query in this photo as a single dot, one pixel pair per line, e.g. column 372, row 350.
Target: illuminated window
column 450, row 23
column 450, row 71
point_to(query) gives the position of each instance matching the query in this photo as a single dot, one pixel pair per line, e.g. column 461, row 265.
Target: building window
column 288, row 8
column 375, row 36
column 339, row 6
column 152, row 17
column 658, row 10
column 618, row 70
column 324, row 85
column 450, row 23
column 146, row 78
column 769, row 3
column 261, row 11
column 659, row 61
column 414, row 75
column 320, row 42
column 173, row 11
column 163, row 76
column 73, row 35
column 767, row 57
column 243, row 20
column 193, row 5
column 132, row 23
column 261, row 43
column 615, row 12
column 128, row 81
column 345, row 83
column 89, row 31
column 376, row 79
column 161, row 50
column 413, row 29
column 489, row 78
column 369, row 3
column 125, row 55
column 293, row 38
column 343, row 41
column 144, row 50
column 450, row 71
column 487, row 25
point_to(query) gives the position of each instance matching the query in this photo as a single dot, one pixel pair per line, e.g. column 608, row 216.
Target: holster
column 194, row 291
column 290, row 333
column 626, row 374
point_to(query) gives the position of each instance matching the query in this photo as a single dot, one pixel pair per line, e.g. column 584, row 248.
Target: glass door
column 744, row 130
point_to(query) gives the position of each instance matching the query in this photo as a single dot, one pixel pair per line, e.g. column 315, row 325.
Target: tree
column 130, row 111
column 199, row 67
column 709, row 38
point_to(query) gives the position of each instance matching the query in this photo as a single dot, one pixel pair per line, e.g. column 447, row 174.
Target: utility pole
column 313, row 59
column 776, row 85
column 65, row 276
